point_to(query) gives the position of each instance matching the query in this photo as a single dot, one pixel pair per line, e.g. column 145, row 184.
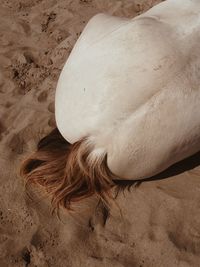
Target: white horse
column 127, row 101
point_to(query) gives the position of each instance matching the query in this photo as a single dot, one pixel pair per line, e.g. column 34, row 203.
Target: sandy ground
column 160, row 226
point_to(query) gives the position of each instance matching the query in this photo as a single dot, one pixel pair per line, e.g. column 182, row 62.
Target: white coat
column 132, row 86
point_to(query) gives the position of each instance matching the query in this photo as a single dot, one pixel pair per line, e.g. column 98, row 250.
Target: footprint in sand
column 51, row 107
column 17, row 144
column 2, row 130
column 43, row 96
column 52, row 122
column 26, row 27
column 186, row 237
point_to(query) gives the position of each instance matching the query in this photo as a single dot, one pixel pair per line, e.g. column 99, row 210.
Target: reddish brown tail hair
column 68, row 172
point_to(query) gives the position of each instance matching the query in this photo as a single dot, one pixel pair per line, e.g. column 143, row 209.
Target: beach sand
column 160, row 221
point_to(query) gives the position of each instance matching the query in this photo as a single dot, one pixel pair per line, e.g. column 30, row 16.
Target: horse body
column 131, row 87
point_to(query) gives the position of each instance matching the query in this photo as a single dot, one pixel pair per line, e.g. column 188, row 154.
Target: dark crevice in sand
column 26, row 256
column 50, row 18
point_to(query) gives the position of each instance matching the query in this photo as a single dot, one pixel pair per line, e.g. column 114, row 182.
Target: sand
column 160, row 221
